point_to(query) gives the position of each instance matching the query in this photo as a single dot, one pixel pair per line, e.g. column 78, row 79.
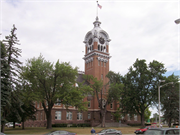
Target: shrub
column 59, row 125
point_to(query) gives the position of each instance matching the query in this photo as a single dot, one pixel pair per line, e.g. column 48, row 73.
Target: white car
column 109, row 132
column 9, row 124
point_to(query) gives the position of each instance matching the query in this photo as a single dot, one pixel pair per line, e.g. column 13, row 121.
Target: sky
column 142, row 29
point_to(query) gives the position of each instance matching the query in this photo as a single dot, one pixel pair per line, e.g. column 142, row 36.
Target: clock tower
column 97, row 64
column 97, row 52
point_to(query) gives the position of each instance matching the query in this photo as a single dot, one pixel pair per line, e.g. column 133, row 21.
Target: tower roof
column 97, row 32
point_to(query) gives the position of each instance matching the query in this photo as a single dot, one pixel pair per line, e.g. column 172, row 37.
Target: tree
column 50, row 82
column 147, row 114
column 111, row 95
column 10, row 74
column 5, row 94
column 140, row 86
column 170, row 99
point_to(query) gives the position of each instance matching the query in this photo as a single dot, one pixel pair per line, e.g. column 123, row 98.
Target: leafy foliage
column 170, row 99
column 50, row 82
column 140, row 86
column 112, row 93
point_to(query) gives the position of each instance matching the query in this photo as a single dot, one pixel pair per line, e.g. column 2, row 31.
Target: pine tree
column 11, row 68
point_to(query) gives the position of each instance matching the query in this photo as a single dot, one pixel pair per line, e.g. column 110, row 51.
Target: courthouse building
column 96, row 60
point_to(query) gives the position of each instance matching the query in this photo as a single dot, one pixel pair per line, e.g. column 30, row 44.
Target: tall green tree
column 170, row 99
column 140, row 86
column 50, row 82
column 5, row 94
column 13, row 66
column 111, row 94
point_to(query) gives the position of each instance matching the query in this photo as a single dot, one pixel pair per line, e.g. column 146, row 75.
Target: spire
column 97, row 22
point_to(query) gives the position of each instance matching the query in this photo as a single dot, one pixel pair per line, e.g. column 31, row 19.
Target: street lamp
column 177, row 21
column 159, row 86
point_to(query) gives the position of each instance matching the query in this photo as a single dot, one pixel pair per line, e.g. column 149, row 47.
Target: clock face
column 101, row 40
column 90, row 41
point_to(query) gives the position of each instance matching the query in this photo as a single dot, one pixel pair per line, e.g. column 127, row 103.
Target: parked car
column 143, row 129
column 2, row 133
column 109, row 132
column 163, row 131
column 9, row 124
column 18, row 124
column 60, row 132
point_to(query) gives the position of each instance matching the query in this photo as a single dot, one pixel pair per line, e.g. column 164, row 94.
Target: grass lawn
column 78, row 130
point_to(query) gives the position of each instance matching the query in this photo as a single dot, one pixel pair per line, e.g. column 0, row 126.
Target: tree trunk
column 142, row 119
column 23, row 125
column 14, row 124
column 49, row 120
column 2, row 128
column 103, row 116
column 169, row 122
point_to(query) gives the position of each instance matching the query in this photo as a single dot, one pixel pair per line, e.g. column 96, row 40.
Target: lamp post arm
column 166, row 84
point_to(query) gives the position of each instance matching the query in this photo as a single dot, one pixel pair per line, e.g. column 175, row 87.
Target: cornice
column 106, row 55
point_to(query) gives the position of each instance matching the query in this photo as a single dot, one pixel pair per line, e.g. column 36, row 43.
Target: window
column 69, row 115
column 111, row 117
column 101, row 63
column 37, row 116
column 98, row 63
column 102, row 77
column 79, row 116
column 37, row 104
column 58, row 102
column 41, row 115
column 57, row 115
column 89, row 104
column 89, row 115
column 135, row 117
column 111, row 105
column 104, row 64
column 128, row 117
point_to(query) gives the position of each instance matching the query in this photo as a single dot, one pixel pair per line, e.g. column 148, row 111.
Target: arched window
column 98, row 47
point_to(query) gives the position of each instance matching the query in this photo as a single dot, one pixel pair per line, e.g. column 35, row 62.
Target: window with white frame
column 57, row 115
column 98, row 63
column 101, row 76
column 89, row 104
column 58, row 102
column 128, row 117
column 135, row 117
column 69, row 115
column 79, row 116
column 89, row 115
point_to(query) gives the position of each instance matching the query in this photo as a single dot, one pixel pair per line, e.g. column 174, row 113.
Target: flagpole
column 97, row 9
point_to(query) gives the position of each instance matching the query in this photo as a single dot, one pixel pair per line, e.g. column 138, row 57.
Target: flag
column 99, row 6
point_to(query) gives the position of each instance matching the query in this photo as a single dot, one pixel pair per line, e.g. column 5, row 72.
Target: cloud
column 56, row 29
